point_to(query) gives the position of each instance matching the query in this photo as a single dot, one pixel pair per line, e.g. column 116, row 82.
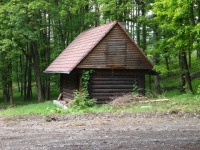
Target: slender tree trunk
column 17, row 75
column 5, row 87
column 97, row 18
column 11, row 93
column 29, row 86
column 120, row 15
column 167, row 62
column 37, row 70
column 138, row 26
column 185, row 74
column 182, row 75
column 21, row 71
column 189, row 59
column 156, row 61
column 132, row 23
column 198, row 10
column 192, row 36
column 10, row 87
column 25, row 79
column 156, row 77
column 47, row 91
column 144, row 32
column 186, row 71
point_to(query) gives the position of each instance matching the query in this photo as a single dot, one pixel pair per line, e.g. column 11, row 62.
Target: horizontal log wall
column 107, row 84
column 69, row 83
column 126, row 51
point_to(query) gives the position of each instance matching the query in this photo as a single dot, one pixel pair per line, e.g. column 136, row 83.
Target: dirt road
column 154, row 131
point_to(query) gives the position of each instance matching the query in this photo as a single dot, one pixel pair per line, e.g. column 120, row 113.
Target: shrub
column 198, row 89
column 82, row 101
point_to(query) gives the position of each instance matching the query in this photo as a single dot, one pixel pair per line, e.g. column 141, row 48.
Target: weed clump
column 81, row 101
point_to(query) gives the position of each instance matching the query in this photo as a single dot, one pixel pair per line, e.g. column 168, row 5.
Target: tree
column 176, row 17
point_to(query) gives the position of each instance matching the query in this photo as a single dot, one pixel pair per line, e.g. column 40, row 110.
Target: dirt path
column 101, row 131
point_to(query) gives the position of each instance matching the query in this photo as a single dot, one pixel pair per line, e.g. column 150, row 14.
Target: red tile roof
column 79, row 48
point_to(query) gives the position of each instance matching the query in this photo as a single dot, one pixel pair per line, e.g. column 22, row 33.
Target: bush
column 82, row 101
column 198, row 89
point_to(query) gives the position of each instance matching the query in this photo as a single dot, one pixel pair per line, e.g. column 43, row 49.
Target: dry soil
column 120, row 131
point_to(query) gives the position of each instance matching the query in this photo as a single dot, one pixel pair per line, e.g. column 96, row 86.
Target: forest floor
column 172, row 130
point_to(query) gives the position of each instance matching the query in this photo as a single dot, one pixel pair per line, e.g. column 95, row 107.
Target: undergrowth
column 178, row 103
column 184, row 102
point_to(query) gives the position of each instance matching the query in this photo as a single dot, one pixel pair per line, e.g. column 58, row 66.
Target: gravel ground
column 145, row 131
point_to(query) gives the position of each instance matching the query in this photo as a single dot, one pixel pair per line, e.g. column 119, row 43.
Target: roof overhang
column 58, row 72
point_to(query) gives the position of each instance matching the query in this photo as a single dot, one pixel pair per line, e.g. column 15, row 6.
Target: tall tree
column 180, row 24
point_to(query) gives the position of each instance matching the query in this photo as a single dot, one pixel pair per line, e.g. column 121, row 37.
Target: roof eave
column 59, row 72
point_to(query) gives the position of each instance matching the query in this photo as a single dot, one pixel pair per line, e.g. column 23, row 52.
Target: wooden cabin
column 117, row 61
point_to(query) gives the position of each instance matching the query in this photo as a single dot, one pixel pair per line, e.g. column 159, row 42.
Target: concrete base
column 61, row 104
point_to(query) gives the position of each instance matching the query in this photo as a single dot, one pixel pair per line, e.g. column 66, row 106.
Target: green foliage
column 135, row 88
column 198, row 89
column 177, row 102
column 29, row 109
column 52, row 26
column 81, row 101
column 174, row 16
column 56, row 110
column 85, row 80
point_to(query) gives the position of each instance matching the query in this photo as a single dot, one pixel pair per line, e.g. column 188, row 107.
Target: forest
column 34, row 32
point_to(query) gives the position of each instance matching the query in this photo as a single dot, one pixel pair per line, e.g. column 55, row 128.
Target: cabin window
column 116, row 53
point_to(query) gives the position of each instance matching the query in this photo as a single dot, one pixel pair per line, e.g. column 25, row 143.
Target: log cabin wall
column 115, row 51
column 106, row 84
column 68, row 84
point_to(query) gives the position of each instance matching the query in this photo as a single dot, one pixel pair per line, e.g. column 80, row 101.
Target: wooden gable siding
column 97, row 58
column 106, row 84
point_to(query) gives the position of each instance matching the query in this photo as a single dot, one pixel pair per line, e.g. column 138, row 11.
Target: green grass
column 178, row 103
column 36, row 108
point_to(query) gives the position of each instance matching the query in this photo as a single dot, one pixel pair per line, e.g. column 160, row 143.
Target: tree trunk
column 182, row 75
column 10, row 84
column 35, row 54
column 17, row 76
column 5, row 87
column 29, row 86
column 198, row 50
column 167, row 62
column 189, row 59
column 25, row 79
column 186, row 71
column 138, row 26
column 21, row 73
column 97, row 18
column 156, row 61
column 11, row 93
column 144, row 32
column 156, row 77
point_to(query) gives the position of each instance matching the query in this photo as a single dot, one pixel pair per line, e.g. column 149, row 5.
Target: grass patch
column 36, row 108
column 178, row 103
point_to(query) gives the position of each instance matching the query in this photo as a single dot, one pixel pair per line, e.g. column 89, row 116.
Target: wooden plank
column 97, row 57
column 118, row 82
column 116, row 86
column 113, row 79
column 111, row 90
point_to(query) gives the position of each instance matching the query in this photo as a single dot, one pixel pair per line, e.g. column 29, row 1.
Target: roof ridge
column 114, row 22
column 81, row 46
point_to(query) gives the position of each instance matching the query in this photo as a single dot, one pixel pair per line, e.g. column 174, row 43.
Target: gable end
column 116, row 51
